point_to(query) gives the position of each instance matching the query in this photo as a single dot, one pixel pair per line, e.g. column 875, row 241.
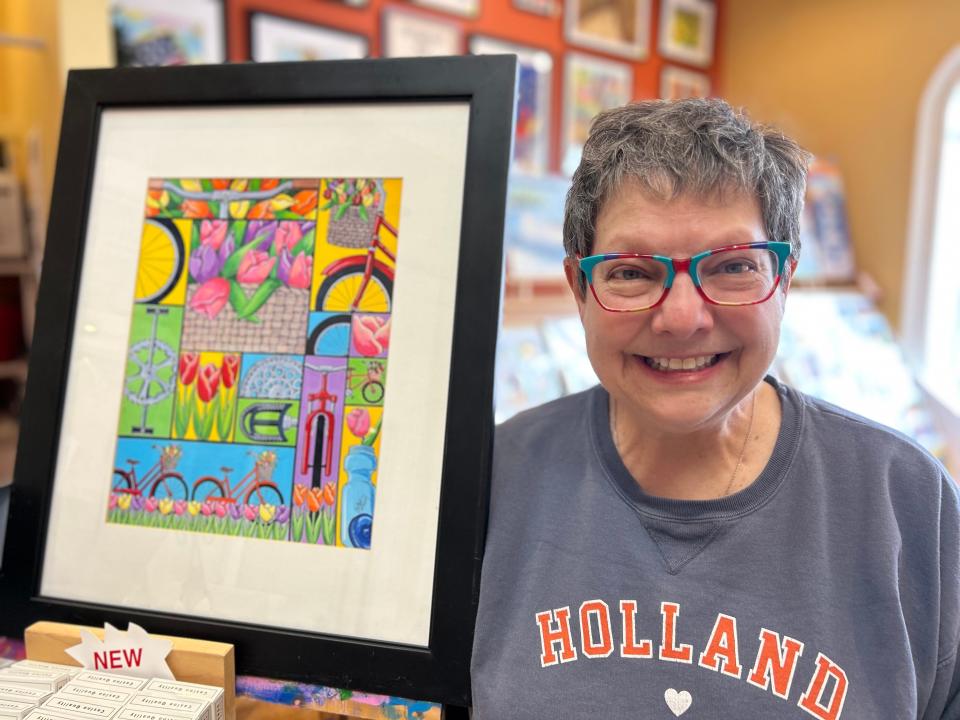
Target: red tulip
column 208, row 382
column 301, row 272
column 255, row 267
column 211, row 297
column 229, row 370
column 189, row 364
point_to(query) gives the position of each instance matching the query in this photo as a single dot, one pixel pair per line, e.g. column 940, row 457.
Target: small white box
column 15, row 709
column 44, row 679
column 194, row 691
column 95, row 693
column 120, row 682
column 173, row 704
column 44, row 714
column 78, row 706
column 23, row 693
column 129, row 713
column 70, row 670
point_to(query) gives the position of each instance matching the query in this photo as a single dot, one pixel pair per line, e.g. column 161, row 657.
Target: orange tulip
column 269, row 184
column 329, row 494
column 196, row 209
column 299, row 494
column 261, row 211
column 221, row 183
column 314, row 499
column 304, row 202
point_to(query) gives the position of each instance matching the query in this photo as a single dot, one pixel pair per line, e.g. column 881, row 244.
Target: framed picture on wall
column 274, row 38
column 590, row 84
column 547, row 8
column 411, row 34
column 687, row 30
column 531, row 142
column 677, row 83
column 619, row 27
column 261, row 400
column 160, row 32
column 463, row 8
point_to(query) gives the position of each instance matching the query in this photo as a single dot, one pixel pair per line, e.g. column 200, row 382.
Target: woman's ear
column 576, row 281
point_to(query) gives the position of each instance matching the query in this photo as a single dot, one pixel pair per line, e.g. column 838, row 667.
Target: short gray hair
column 699, row 147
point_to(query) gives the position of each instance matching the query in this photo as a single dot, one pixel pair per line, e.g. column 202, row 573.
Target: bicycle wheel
column 161, row 260
column 264, row 493
column 208, row 488
column 372, row 391
column 169, row 485
column 337, row 291
column 330, row 337
column 121, row 482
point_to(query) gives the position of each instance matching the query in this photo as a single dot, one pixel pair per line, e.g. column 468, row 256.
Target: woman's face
column 740, row 342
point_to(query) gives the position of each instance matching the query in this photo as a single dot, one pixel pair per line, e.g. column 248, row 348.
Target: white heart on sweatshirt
column 678, row 702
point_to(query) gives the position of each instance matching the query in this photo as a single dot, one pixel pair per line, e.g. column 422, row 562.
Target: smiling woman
column 690, row 479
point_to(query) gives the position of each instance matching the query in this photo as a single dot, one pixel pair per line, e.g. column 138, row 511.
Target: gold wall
column 845, row 78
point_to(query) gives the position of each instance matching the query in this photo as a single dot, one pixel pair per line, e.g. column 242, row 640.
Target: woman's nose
column 683, row 312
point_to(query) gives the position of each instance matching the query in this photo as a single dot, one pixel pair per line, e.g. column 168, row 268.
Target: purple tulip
column 227, row 248
column 283, row 269
column 137, row 504
column 236, row 511
column 262, row 230
column 283, row 514
column 205, row 263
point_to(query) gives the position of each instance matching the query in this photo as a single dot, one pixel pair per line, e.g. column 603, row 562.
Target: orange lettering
column 811, row 699
column 669, row 650
column 604, row 646
column 776, row 662
column 722, row 652
column 630, row 647
column 549, row 636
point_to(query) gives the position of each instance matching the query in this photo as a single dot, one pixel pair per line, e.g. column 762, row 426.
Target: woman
column 693, row 537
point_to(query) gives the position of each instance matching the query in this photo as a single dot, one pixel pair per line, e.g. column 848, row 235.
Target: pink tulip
column 220, row 509
column 206, row 509
column 358, row 421
column 179, row 507
column 255, row 267
column 211, row 297
column 250, row 512
column 150, row 505
column 301, row 271
column 288, row 235
column 213, row 232
column 112, row 503
column 371, row 334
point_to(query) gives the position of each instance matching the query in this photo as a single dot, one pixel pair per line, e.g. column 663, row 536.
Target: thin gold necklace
column 746, row 438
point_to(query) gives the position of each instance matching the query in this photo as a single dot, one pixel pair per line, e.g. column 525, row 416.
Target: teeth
column 672, row 364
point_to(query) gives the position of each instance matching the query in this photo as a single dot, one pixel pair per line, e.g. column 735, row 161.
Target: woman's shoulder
column 565, row 414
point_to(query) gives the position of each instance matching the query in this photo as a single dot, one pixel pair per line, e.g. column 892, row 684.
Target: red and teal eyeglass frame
column 688, row 265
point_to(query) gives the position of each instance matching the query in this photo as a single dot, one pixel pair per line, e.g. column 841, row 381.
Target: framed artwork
column 463, row 8
column 261, row 395
column 619, row 27
column 274, row 38
column 531, row 140
column 686, row 31
column 678, row 84
column 407, row 34
column 547, row 8
column 591, row 84
column 168, row 32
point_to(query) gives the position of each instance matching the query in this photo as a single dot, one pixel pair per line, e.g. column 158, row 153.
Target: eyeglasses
column 733, row 275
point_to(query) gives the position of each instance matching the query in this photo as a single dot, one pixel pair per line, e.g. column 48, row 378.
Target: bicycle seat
column 133, row 462
column 226, row 470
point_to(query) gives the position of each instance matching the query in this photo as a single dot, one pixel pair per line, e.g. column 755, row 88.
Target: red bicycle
column 161, row 479
column 360, row 282
column 318, row 435
column 256, row 487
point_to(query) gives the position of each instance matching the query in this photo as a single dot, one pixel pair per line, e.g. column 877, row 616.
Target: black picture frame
column 440, row 671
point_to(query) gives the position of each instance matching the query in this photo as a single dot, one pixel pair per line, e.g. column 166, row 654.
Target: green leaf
column 329, row 205
column 254, row 184
column 341, row 211
column 263, row 293
column 214, row 206
column 237, row 297
column 362, row 212
column 287, row 215
column 206, row 184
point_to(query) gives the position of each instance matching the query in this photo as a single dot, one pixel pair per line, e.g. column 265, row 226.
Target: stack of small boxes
column 31, row 690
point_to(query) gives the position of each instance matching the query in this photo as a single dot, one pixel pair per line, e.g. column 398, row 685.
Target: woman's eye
column 627, row 273
column 736, row 267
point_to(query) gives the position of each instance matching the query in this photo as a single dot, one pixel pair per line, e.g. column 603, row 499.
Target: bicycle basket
column 169, row 457
column 351, row 230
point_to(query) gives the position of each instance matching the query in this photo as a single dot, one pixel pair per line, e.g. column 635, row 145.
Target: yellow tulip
column 124, row 502
column 191, row 185
column 166, row 505
column 267, row 511
column 194, row 507
column 281, row 202
column 239, row 185
column 239, row 210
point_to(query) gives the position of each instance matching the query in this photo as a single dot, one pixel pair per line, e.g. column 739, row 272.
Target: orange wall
column 845, row 78
column 497, row 18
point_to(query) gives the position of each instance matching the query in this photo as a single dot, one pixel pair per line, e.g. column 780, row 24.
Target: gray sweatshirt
column 830, row 587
